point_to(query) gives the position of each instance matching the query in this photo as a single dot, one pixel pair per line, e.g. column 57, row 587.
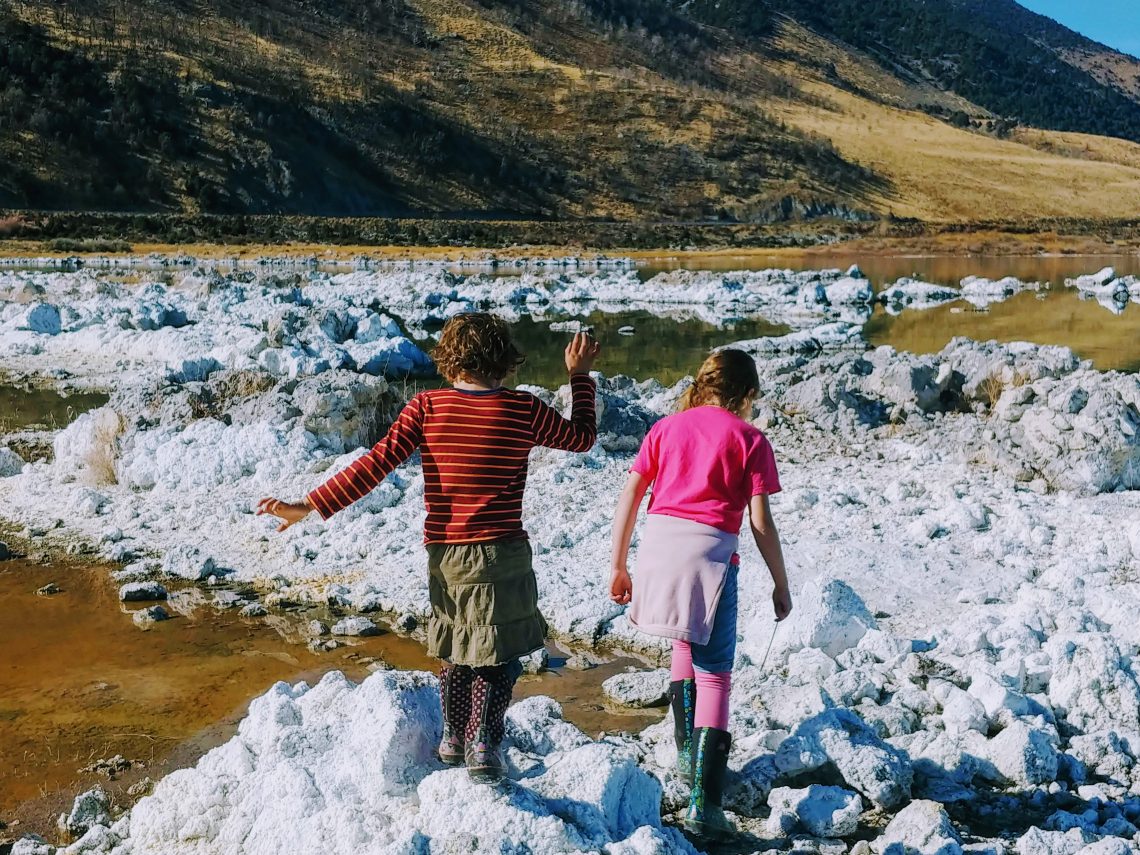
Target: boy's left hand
column 290, row 513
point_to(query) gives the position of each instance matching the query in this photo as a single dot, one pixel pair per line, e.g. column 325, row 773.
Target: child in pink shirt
column 707, row 465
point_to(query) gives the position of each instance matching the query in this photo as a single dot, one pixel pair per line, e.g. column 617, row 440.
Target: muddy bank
column 84, row 684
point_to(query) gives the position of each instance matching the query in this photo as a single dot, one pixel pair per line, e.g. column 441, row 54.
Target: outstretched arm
column 621, row 586
column 768, row 542
column 579, row 432
column 360, row 477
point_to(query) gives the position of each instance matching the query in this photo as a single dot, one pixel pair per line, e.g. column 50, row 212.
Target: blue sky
column 1115, row 23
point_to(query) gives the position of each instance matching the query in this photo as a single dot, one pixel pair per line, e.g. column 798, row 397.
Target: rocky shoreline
column 960, row 529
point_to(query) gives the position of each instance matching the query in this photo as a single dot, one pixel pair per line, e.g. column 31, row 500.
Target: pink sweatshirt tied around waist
column 679, row 576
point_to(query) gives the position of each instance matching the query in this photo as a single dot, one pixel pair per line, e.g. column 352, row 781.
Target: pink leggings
column 712, row 689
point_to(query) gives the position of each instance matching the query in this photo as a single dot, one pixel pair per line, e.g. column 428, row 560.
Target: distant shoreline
column 47, row 234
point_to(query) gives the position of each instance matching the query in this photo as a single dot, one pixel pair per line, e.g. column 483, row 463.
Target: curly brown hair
column 727, row 379
column 476, row 343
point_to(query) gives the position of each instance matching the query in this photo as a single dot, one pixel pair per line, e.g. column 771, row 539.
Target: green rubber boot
column 705, row 816
column 683, row 700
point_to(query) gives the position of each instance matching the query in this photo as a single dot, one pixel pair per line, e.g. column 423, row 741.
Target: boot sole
column 450, row 759
column 708, row 832
column 484, row 775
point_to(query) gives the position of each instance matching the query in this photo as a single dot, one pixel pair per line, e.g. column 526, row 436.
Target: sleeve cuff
column 318, row 504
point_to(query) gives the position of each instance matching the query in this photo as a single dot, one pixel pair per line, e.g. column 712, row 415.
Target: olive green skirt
column 484, row 602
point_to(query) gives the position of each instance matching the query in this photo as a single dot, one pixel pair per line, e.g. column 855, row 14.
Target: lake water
column 669, row 349
column 28, row 407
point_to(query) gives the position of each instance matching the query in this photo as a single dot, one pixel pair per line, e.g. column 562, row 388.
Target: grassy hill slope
column 626, row 109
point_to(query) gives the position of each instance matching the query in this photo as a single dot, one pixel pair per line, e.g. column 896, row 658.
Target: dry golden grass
column 1080, row 146
column 939, row 173
column 99, row 461
column 944, row 174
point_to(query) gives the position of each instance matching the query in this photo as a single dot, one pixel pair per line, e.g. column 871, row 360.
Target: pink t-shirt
column 706, row 464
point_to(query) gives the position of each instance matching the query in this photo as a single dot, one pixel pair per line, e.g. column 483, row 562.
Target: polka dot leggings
column 475, row 698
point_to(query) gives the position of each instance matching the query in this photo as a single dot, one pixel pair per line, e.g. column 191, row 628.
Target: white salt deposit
column 960, row 530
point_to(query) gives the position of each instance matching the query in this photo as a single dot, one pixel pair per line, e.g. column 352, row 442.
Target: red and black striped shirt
column 474, row 447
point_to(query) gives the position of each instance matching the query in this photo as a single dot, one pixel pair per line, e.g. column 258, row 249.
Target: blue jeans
column 718, row 655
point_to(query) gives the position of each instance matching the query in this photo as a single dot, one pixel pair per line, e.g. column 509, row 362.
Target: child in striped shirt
column 474, row 440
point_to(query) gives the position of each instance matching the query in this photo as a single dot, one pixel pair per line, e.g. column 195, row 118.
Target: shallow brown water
column 27, row 407
column 80, row 682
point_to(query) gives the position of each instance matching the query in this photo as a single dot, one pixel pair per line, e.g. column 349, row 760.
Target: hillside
column 624, row 109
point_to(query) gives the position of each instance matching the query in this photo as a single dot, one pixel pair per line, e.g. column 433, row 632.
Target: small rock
column 580, row 662
column 149, row 615
column 188, row 562
column 10, row 463
column 48, row 589
column 227, row 599
column 322, row 645
column 32, row 844
column 638, row 689
column 533, row 663
column 140, row 788
column 109, row 768
column 818, row 810
column 254, row 610
column 1023, row 755
column 316, row 627
column 134, row 592
column 90, row 808
column 355, row 626
column 921, row 828
column 407, row 622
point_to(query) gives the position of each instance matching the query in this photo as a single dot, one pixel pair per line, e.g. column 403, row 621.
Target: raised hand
column 290, row 513
column 581, row 353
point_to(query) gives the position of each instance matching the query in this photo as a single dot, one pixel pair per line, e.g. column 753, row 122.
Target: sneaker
column 484, row 759
column 451, row 748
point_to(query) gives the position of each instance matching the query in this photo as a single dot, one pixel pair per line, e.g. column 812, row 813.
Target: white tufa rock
column 10, row 463
column 188, row 562
column 355, row 626
column 875, row 768
column 921, row 828
column 638, row 688
column 819, row 810
column 830, row 616
column 89, row 809
column 1023, row 755
column 134, row 592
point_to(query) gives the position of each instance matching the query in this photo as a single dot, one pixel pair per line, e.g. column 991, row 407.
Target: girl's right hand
column 621, row 586
column 290, row 513
column 782, row 603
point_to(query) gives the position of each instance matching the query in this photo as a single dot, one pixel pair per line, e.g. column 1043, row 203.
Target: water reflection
column 1110, row 340
column 940, row 269
column 30, row 407
column 639, row 344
